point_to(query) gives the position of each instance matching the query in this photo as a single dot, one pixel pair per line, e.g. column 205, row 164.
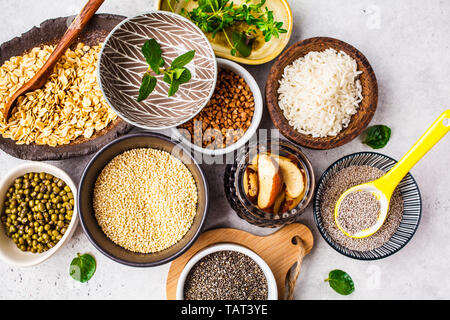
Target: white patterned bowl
column 121, row 66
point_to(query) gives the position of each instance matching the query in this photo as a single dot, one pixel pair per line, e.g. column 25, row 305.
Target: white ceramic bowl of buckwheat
column 256, row 119
column 9, row 252
column 272, row 290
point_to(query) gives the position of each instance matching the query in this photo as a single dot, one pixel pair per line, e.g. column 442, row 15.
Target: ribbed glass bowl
column 234, row 189
column 412, row 205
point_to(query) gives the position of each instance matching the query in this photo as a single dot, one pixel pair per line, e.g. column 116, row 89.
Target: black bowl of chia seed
column 404, row 212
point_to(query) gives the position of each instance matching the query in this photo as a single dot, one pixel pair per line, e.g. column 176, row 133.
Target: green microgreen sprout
column 214, row 16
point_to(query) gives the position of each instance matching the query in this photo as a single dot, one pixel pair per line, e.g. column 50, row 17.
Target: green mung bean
column 28, row 214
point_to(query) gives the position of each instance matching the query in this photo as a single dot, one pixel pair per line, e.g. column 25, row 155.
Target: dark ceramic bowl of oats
column 403, row 216
column 226, row 272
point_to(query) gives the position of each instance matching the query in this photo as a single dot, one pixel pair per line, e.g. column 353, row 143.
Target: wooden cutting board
column 278, row 251
column 49, row 32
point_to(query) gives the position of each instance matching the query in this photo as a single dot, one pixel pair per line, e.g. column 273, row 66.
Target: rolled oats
column 68, row 106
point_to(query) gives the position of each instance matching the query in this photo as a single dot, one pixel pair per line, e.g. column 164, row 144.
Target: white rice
column 320, row 92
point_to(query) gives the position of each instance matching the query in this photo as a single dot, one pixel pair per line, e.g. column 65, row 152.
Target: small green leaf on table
column 341, row 282
column 377, row 136
column 82, row 268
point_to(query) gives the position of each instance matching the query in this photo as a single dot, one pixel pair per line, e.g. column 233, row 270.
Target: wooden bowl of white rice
column 321, row 93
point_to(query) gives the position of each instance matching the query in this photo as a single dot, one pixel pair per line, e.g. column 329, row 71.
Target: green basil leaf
column 242, row 43
column 341, row 282
column 153, row 55
column 82, row 268
column 377, row 136
column 185, row 76
column 173, row 87
column 183, row 60
column 147, row 86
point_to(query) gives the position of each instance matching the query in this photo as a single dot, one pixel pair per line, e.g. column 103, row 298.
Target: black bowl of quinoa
column 404, row 213
column 147, row 232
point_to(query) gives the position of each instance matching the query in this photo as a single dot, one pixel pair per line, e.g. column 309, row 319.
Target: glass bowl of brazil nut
column 231, row 116
column 38, row 213
column 270, row 183
column 404, row 214
column 226, row 272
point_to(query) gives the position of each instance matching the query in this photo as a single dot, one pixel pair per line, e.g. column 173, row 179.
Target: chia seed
column 359, row 210
column 226, row 275
column 336, row 186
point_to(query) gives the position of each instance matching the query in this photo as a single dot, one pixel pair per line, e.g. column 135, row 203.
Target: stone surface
column 407, row 45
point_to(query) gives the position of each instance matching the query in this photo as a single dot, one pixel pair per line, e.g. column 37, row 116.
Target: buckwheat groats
column 226, row 117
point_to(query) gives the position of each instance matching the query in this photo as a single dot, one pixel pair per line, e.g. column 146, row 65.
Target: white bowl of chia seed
column 226, row 272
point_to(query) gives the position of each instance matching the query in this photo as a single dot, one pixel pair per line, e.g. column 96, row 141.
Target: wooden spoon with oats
column 42, row 75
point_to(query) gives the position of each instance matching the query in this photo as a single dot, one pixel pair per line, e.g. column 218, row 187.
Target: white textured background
column 407, row 43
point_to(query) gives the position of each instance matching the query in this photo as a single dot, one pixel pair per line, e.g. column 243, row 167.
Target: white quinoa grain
column 145, row 200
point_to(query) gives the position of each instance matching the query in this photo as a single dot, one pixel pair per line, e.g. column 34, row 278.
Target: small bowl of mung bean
column 38, row 213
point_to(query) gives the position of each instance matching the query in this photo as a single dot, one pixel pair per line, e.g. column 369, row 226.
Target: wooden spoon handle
column 71, row 34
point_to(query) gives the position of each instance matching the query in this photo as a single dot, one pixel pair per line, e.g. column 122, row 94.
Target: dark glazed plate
column 359, row 121
column 86, row 212
column 412, row 205
column 49, row 32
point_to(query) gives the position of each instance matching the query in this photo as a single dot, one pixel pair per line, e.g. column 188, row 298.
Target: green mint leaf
column 242, row 43
column 82, row 268
column 185, row 76
column 183, row 60
column 173, row 88
column 153, row 55
column 377, row 136
column 147, row 86
column 167, row 79
column 341, row 282
column 178, row 72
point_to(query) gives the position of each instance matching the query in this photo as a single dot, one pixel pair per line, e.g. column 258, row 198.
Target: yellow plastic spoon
column 383, row 187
